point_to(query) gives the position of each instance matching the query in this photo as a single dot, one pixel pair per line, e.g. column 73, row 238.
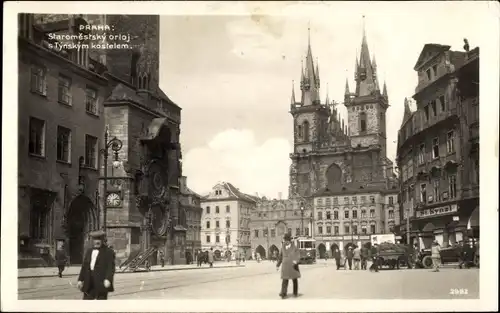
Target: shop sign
column 350, row 237
column 364, row 237
column 337, row 238
column 438, row 211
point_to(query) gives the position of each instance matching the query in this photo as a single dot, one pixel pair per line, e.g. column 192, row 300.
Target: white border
column 489, row 64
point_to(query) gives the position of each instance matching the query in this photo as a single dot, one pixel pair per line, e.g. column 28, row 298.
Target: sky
column 232, row 75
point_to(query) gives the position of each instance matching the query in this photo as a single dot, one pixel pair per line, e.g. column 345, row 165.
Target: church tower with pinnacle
column 330, row 154
column 367, row 105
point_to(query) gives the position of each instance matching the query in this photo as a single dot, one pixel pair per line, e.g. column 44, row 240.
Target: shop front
column 447, row 224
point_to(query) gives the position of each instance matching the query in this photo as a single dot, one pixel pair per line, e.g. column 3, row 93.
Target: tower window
column 305, row 125
column 299, row 131
column 362, row 121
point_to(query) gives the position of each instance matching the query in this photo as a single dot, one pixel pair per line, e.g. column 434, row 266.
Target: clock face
column 113, row 199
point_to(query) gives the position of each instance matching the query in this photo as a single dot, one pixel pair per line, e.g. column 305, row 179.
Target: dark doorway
column 217, row 254
column 260, row 250
column 81, row 221
column 322, row 251
column 273, row 252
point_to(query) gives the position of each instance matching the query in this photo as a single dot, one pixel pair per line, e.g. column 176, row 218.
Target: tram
column 307, row 249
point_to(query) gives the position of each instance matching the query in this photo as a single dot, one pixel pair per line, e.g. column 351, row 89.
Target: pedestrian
column 461, row 255
column 288, row 258
column 61, row 260
column 356, row 257
column 199, row 258
column 349, row 256
column 476, row 255
column 374, row 256
column 364, row 257
column 436, row 255
column 162, row 259
column 211, row 257
column 337, row 256
column 97, row 271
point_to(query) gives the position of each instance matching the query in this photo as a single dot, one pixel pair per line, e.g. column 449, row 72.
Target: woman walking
column 289, row 258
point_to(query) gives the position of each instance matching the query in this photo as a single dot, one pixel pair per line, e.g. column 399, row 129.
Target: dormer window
column 429, row 75
column 435, row 70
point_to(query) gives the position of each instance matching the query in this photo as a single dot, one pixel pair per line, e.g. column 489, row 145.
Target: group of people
column 205, row 257
column 359, row 257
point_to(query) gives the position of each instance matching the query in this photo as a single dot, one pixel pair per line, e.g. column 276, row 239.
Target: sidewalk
column 75, row 270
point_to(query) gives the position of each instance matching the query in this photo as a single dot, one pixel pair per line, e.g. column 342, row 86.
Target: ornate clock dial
column 113, row 199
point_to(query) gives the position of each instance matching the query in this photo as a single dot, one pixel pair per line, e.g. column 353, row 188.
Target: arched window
column 334, row 175
column 362, row 122
column 305, row 127
column 299, row 131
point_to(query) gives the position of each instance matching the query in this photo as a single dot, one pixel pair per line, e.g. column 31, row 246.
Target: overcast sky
column 232, row 75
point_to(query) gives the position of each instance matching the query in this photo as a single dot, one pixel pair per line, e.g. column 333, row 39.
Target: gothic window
column 305, row 126
column 362, row 121
column 299, row 131
column 334, row 175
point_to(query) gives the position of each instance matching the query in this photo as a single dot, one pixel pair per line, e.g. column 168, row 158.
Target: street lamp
column 227, row 244
column 115, row 144
column 302, row 218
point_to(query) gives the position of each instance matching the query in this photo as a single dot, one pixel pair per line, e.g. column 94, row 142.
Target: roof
column 123, row 92
column 191, row 192
column 428, row 49
column 239, row 194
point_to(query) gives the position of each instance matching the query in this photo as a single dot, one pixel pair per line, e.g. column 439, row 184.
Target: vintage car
column 449, row 254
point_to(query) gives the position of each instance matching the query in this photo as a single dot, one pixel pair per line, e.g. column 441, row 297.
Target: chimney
column 279, row 195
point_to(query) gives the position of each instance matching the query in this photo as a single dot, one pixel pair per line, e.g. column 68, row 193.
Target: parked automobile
column 449, row 254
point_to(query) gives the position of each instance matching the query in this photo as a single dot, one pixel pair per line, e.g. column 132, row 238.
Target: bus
column 307, row 249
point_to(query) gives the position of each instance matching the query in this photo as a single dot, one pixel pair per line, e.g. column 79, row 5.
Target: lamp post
column 227, row 244
column 302, row 218
column 115, row 144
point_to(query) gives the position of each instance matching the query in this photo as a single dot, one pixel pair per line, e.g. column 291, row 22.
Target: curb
column 141, row 271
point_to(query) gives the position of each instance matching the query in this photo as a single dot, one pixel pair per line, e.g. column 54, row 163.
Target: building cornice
column 30, row 45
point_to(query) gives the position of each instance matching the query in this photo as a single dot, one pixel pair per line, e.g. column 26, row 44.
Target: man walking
column 289, row 260
column 211, row 257
column 357, row 257
column 436, row 255
column 374, row 255
column 61, row 260
column 337, row 256
column 98, row 268
column 364, row 257
column 349, row 256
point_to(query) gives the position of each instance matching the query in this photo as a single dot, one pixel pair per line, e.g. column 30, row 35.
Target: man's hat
column 98, row 234
column 287, row 237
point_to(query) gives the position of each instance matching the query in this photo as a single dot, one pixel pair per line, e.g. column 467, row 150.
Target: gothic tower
column 368, row 104
column 310, row 123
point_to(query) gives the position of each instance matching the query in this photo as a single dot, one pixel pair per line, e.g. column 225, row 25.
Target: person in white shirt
column 98, row 269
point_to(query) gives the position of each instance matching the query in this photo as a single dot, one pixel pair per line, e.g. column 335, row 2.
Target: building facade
column 438, row 146
column 61, row 125
column 333, row 158
column 271, row 219
column 349, row 217
column 225, row 221
column 191, row 204
column 113, row 91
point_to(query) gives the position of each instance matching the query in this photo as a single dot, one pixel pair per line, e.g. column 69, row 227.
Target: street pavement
column 261, row 281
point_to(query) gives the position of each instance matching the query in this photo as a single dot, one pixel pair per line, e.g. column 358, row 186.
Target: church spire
column 347, row 92
column 310, row 82
column 384, row 92
column 366, row 76
column 292, row 101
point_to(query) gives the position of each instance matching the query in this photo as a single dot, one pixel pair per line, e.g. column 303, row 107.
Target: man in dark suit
column 98, row 269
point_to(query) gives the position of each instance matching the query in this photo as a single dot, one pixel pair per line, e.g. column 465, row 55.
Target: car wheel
column 427, row 261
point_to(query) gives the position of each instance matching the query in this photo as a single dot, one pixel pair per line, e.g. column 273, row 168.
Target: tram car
column 307, row 249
